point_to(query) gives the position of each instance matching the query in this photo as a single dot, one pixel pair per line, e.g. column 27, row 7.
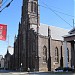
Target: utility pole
column 73, row 23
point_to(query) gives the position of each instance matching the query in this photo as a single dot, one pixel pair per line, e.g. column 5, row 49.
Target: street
column 36, row 73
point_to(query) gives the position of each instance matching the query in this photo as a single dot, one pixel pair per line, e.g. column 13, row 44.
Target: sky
column 58, row 13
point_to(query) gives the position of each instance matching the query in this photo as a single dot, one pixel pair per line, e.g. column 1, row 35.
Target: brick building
column 38, row 47
column 1, row 62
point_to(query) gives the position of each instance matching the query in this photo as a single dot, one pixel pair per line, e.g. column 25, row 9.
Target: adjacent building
column 1, row 62
column 70, row 38
column 8, row 63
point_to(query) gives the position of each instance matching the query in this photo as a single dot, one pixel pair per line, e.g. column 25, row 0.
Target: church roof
column 56, row 32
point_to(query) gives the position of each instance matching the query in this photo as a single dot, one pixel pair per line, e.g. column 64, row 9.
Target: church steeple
column 29, row 12
column 15, row 38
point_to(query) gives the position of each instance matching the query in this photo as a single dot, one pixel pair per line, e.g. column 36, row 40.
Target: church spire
column 30, row 13
column 15, row 38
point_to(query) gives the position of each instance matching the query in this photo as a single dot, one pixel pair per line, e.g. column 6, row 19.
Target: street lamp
column 28, row 69
column 21, row 67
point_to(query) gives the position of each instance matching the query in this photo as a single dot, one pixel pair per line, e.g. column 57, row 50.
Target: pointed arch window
column 68, row 54
column 35, row 7
column 56, row 55
column 31, row 6
column 44, row 54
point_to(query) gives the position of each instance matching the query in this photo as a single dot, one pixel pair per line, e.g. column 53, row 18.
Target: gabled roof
column 56, row 32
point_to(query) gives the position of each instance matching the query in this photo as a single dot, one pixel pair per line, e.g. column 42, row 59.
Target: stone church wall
column 43, row 41
column 59, row 44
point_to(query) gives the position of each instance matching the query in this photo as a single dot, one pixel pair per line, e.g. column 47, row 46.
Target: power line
column 6, row 5
column 58, row 11
column 4, row 2
column 57, row 14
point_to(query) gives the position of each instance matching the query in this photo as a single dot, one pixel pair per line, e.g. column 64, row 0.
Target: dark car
column 68, row 69
column 59, row 69
column 64, row 69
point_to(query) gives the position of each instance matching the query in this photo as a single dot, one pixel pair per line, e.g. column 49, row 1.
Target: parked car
column 59, row 69
column 64, row 69
column 68, row 69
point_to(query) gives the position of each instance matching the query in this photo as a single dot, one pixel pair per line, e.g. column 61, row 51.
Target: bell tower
column 30, row 8
column 29, row 27
column 33, row 12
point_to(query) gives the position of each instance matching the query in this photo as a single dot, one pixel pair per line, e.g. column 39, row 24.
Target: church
column 37, row 46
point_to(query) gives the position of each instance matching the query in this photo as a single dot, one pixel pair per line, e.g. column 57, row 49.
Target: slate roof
column 56, row 32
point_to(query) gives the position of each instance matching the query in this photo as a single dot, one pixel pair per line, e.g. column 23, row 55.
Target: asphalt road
column 23, row 73
column 33, row 73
